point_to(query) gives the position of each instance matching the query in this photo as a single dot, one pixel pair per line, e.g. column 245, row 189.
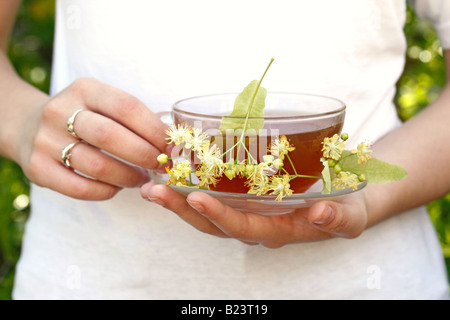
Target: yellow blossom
column 346, row 180
column 179, row 134
column 333, row 147
column 179, row 173
column 211, row 157
column 260, row 170
column 363, row 152
column 240, row 169
column 281, row 147
column 212, row 165
column 280, row 187
column 257, row 179
column 207, row 176
column 249, row 168
column 259, row 185
column 197, row 139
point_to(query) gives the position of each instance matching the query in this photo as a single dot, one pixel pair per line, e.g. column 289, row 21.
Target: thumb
column 335, row 218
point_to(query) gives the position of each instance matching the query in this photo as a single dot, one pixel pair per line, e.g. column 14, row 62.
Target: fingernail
column 156, row 200
column 196, row 205
column 325, row 217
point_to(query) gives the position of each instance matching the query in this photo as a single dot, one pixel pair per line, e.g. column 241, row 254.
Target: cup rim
column 340, row 109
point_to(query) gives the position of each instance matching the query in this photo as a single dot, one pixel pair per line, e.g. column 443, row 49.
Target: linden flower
column 197, row 140
column 180, row 134
column 258, row 172
column 332, row 147
column 363, row 152
column 346, row 180
column 281, row 187
column 182, row 169
column 240, row 168
column 211, row 157
column 259, row 185
column 212, row 165
column 179, row 173
column 281, row 147
column 249, row 168
column 206, row 176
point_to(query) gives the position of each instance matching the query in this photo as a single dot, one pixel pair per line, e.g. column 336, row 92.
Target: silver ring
column 71, row 121
column 65, row 153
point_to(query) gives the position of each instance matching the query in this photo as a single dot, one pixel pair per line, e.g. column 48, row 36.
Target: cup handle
column 155, row 175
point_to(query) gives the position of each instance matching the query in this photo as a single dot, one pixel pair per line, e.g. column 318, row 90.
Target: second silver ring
column 65, row 153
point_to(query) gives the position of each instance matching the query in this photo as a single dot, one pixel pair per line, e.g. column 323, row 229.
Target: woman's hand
column 112, row 126
column 326, row 219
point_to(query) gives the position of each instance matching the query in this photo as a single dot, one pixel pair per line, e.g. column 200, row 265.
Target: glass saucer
column 264, row 204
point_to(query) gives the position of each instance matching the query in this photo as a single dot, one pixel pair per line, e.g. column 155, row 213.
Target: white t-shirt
column 163, row 51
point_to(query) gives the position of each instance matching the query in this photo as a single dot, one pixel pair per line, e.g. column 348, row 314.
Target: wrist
column 19, row 123
column 380, row 202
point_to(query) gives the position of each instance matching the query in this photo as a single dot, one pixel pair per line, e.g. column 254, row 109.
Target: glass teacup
column 304, row 119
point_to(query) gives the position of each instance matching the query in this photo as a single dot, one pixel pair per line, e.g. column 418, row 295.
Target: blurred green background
column 31, row 52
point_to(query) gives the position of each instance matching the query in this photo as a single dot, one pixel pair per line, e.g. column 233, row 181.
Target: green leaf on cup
column 243, row 105
column 375, row 170
column 250, row 103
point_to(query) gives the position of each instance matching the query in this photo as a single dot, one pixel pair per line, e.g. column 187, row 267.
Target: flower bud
column 278, row 163
column 331, row 162
column 162, row 158
column 230, row 174
column 268, row 159
column 249, row 169
column 337, row 169
column 344, row 136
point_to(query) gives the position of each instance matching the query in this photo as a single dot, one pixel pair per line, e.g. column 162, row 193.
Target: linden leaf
column 243, row 108
column 326, row 177
column 375, row 170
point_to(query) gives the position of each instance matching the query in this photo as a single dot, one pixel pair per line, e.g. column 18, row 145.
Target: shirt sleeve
column 438, row 12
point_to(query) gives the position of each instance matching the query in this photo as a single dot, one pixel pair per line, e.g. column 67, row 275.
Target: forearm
column 421, row 147
column 18, row 101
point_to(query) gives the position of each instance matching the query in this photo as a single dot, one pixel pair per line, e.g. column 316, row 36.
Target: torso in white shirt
column 163, row 51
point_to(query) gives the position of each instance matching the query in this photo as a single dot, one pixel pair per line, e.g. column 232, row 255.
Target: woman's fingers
column 211, row 216
column 270, row 231
column 346, row 218
column 120, row 107
column 47, row 172
column 112, row 120
column 96, row 164
column 324, row 220
column 108, row 135
column 175, row 202
column 118, row 134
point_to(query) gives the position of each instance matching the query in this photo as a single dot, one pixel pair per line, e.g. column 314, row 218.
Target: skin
column 32, row 133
